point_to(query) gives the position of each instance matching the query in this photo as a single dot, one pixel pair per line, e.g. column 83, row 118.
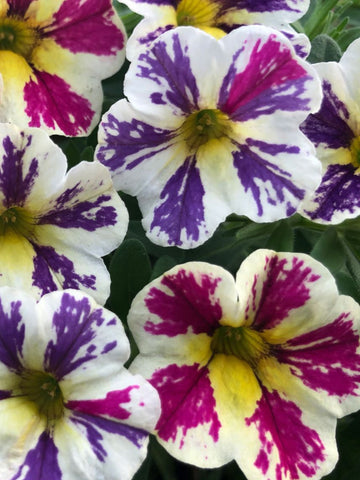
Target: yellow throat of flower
column 242, row 342
column 16, row 35
column 17, row 220
column 355, row 152
column 201, row 14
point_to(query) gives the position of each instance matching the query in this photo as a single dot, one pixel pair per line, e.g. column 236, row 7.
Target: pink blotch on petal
column 50, row 99
column 109, row 406
column 326, row 358
column 279, row 424
column 189, row 305
column 283, row 289
column 269, row 65
column 186, row 401
column 87, row 27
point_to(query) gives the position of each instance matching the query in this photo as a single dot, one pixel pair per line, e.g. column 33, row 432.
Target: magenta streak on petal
column 18, row 7
column 187, row 401
column 50, row 100
column 326, row 358
column 261, row 88
column 86, row 27
column 188, row 305
column 286, row 287
column 110, row 405
column 282, row 434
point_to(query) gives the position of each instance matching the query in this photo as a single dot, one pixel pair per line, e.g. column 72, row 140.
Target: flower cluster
column 223, row 124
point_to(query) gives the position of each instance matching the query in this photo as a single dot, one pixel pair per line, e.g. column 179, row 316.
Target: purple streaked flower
column 53, row 56
column 54, row 226
column 211, row 127
column 216, row 17
column 335, row 132
column 71, row 409
column 257, row 369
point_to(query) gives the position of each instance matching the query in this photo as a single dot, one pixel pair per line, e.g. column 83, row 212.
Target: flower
column 68, row 408
column 54, row 227
column 53, row 56
column 256, row 370
column 335, row 132
column 211, row 128
column 216, row 17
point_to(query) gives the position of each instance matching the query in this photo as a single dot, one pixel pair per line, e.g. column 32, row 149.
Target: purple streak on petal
column 253, row 169
column 326, row 358
column 86, row 27
column 329, row 125
column 110, row 405
column 12, row 332
column 5, row 394
column 111, row 345
column 51, row 100
column 18, row 8
column 151, row 36
column 287, row 286
column 134, row 138
column 91, row 427
column 47, row 261
column 182, row 207
column 175, row 73
column 279, row 424
column 187, row 401
column 339, row 191
column 189, row 305
column 13, row 184
column 41, row 463
column 272, row 80
column 86, row 215
column 76, row 326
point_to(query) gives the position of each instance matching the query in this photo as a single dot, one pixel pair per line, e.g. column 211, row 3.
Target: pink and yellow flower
column 257, row 369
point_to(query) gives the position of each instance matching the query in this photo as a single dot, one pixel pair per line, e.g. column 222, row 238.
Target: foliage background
column 331, row 26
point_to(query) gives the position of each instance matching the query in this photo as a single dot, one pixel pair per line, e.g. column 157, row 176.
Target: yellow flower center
column 197, row 13
column 44, row 391
column 205, row 125
column 18, row 220
column 17, row 36
column 355, row 152
column 242, row 342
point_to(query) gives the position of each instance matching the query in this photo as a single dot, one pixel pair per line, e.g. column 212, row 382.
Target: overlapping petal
column 52, row 74
column 55, row 226
column 256, row 370
column 202, row 133
column 68, row 336
column 335, row 132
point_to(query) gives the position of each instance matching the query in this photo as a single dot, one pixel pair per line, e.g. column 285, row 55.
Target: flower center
column 205, row 125
column 17, row 36
column 18, row 220
column 243, row 342
column 44, row 391
column 196, row 13
column 355, row 152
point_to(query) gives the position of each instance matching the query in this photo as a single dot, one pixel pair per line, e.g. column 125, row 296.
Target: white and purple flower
column 335, row 132
column 55, row 226
column 53, row 56
column 211, row 127
column 257, row 369
column 68, row 407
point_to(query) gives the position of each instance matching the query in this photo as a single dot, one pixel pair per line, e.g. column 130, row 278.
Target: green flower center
column 18, row 220
column 196, row 12
column 205, row 125
column 355, row 151
column 17, row 36
column 44, row 391
column 243, row 342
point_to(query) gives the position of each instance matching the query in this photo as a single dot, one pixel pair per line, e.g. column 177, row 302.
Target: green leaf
column 324, row 49
column 329, row 250
column 87, row 154
column 352, row 263
column 348, row 36
column 162, row 265
column 282, row 238
column 130, row 271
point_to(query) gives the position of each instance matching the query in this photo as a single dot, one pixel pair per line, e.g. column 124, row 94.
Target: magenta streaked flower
column 335, row 132
column 211, row 127
column 53, row 56
column 55, row 226
column 68, row 407
column 257, row 369
column 216, row 17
